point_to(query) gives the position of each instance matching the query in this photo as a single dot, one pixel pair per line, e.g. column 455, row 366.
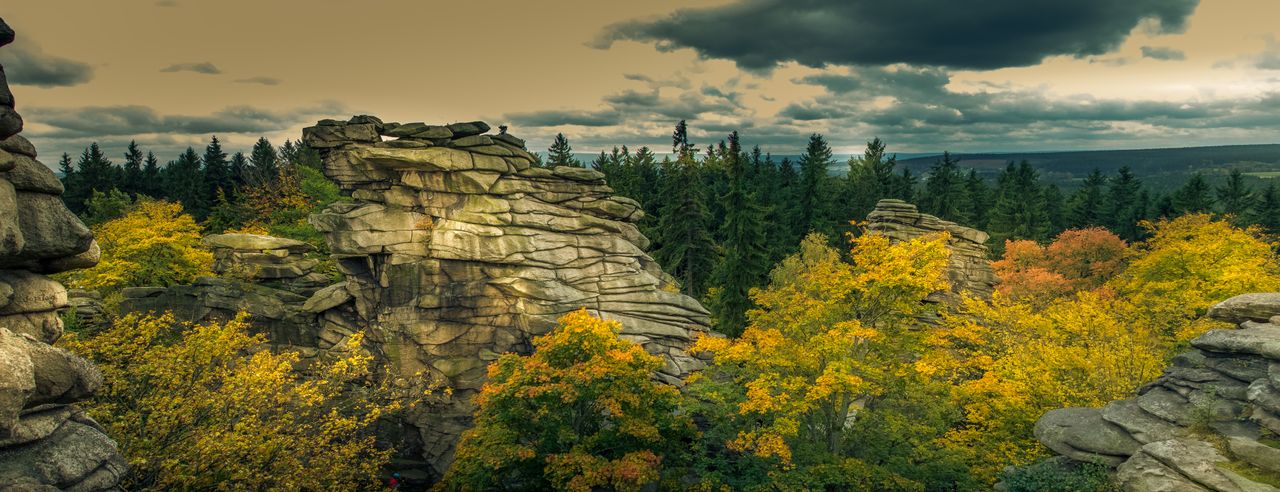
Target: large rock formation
column 46, row 443
column 455, row 250
column 1206, row 424
column 969, row 270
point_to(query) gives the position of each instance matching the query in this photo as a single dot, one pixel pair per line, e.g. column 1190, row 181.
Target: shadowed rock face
column 45, row 442
column 456, row 250
column 1228, row 385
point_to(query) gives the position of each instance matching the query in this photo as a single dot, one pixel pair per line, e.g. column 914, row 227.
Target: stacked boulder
column 1207, row 423
column 266, row 260
column 46, row 443
column 969, row 270
column 456, row 249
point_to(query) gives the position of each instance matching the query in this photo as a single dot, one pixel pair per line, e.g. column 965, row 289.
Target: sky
column 924, row 75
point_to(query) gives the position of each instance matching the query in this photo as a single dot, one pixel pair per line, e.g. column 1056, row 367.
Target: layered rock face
column 46, row 443
column 969, row 270
column 1204, row 424
column 456, row 250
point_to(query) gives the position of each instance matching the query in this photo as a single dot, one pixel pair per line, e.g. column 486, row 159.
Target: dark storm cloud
column 556, row 118
column 1162, row 53
column 26, row 64
column 199, row 67
column 259, row 80
column 992, row 34
column 105, row 121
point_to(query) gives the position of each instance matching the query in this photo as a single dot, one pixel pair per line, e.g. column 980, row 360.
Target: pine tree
column 788, row 212
column 813, row 184
column 1235, row 199
column 1019, row 211
column 264, row 163
column 185, row 183
column 560, row 153
column 1266, row 210
column 687, row 250
column 132, row 183
column 904, row 187
column 944, row 189
column 1122, row 208
column 745, row 260
column 151, row 184
column 1194, row 196
column 70, row 181
column 1086, row 205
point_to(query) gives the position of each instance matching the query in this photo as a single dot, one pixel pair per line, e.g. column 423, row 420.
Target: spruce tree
column 1235, row 199
column 70, row 181
column 977, row 200
column 1122, row 208
column 813, row 184
column 1054, row 210
column 904, row 186
column 686, row 250
column 745, row 260
column 185, row 183
column 788, row 212
column 239, row 169
column 1019, row 211
column 870, row 179
column 1194, row 197
column 1266, row 210
column 1086, row 205
column 560, row 153
column 151, row 181
column 944, row 189
column 264, row 163
column 217, row 172
column 133, row 180
column 94, row 172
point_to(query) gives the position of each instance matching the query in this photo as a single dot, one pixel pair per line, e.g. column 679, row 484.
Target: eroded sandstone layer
column 46, row 443
column 1207, row 423
column 455, row 249
column 969, row 271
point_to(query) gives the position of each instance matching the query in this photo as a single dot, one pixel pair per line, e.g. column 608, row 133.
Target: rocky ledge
column 1208, row 423
column 46, row 443
column 456, row 249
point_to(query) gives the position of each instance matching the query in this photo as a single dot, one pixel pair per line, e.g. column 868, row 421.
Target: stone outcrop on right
column 969, row 270
column 1208, row 423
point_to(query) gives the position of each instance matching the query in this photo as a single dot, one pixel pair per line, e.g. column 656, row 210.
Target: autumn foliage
column 154, row 244
column 1078, row 259
column 581, row 413
column 828, row 334
column 207, row 408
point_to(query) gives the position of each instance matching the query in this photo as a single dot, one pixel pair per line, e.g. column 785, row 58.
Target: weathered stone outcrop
column 455, row 250
column 46, row 443
column 969, row 270
column 268, row 260
column 1199, row 424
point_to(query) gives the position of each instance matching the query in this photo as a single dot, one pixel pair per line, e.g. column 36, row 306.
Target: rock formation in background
column 1208, row 423
column 266, row 277
column 46, row 443
column 455, row 250
column 969, row 270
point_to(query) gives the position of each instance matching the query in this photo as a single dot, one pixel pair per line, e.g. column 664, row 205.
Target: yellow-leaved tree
column 581, row 413
column 154, row 244
column 1013, row 358
column 828, row 335
column 207, row 408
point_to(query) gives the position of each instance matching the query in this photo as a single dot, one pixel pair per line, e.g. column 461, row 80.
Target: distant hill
column 1160, row 168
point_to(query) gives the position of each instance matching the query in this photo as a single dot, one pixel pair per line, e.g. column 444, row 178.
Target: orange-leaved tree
column 205, row 407
column 581, row 413
column 1078, row 259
